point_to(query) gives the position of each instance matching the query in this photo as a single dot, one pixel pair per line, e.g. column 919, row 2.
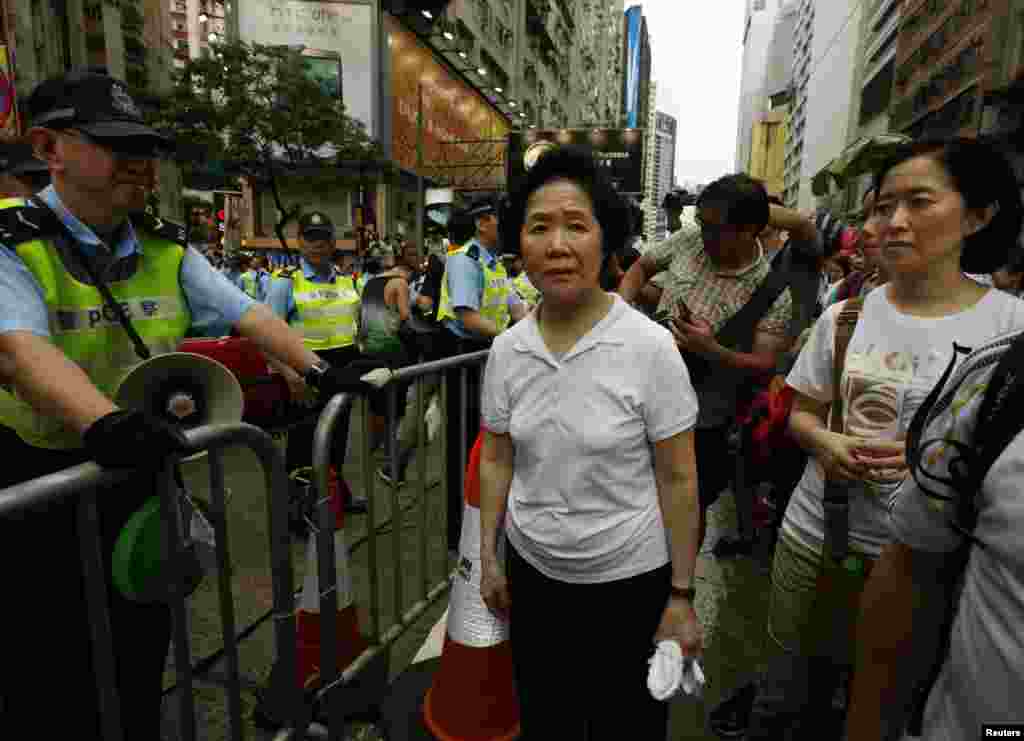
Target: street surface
column 732, row 594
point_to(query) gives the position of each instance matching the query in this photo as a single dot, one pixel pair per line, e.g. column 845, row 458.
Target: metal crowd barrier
column 82, row 481
column 335, row 421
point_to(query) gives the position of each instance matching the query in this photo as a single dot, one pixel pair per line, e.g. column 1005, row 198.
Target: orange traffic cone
column 350, row 640
column 473, row 695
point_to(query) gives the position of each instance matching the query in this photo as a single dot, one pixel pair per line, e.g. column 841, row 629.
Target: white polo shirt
column 583, row 506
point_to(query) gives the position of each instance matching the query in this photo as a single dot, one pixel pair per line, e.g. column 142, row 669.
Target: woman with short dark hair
column 588, row 468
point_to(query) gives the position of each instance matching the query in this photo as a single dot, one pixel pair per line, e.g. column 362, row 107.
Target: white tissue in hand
column 693, row 677
column 666, row 672
column 378, row 377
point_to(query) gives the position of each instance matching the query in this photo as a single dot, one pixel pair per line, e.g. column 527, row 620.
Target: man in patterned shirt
column 714, row 264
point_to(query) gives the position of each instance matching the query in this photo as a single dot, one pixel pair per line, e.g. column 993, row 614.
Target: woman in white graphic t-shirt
column 942, row 209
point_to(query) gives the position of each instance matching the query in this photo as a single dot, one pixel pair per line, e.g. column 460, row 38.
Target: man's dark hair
column 578, row 167
column 983, row 176
column 743, row 198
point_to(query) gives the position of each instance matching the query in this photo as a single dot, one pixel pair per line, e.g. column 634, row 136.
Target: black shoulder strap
column 739, row 328
column 101, row 285
column 999, row 422
column 169, row 230
column 27, row 222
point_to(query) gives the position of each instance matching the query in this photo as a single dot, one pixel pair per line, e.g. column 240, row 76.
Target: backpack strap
column 846, row 324
column 836, row 499
column 739, row 328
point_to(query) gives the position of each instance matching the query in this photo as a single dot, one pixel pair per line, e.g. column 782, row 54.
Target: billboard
column 619, row 152
column 464, row 136
column 341, row 28
column 634, row 46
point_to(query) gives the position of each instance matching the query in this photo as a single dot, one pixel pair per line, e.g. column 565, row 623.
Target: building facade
column 768, row 148
column 948, row 56
column 548, row 63
column 758, row 33
column 664, row 163
column 824, row 58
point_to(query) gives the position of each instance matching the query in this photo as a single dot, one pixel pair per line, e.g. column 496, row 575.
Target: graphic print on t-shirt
column 882, row 390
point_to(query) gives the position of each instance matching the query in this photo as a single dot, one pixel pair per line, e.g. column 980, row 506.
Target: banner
column 340, row 27
column 619, row 152
column 8, row 98
column 463, row 134
column 634, row 42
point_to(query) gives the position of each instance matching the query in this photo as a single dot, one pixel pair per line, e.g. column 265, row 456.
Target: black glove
column 346, row 380
column 125, row 439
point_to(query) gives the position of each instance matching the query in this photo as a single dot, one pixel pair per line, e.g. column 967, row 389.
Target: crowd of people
column 614, row 408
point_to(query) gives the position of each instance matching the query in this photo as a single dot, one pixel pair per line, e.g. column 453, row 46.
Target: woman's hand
column 886, row 460
column 840, row 455
column 679, row 623
column 494, row 588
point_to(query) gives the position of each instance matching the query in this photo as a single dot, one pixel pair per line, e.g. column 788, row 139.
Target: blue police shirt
column 466, row 286
column 279, row 295
column 211, row 297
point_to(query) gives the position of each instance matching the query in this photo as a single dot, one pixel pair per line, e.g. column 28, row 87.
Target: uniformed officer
column 323, row 304
column 477, row 304
column 255, row 281
column 520, row 280
column 80, row 274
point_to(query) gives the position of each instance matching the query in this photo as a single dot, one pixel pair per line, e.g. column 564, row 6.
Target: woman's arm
column 496, row 460
column 675, row 473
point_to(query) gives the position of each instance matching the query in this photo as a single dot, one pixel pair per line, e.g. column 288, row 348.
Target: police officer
column 477, row 304
column 68, row 258
column 255, row 281
column 323, row 304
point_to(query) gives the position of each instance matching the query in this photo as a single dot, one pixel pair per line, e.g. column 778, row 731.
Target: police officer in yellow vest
column 69, row 257
column 315, row 298
column 477, row 304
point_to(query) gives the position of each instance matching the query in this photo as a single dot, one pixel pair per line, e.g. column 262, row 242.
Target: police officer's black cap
column 482, row 207
column 317, row 225
column 16, row 159
column 94, row 102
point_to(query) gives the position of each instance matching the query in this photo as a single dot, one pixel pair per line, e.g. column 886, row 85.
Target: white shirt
column 583, row 505
column 892, row 362
column 982, row 680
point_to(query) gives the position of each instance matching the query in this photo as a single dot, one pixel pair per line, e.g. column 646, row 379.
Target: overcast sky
column 698, row 54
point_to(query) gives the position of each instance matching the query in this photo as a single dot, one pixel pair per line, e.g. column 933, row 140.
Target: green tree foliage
column 255, row 110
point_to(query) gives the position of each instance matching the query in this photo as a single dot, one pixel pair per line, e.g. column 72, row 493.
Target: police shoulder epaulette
column 169, row 230
column 24, row 221
column 473, row 251
column 287, row 272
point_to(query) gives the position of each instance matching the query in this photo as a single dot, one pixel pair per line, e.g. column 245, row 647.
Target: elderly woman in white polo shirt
column 588, row 467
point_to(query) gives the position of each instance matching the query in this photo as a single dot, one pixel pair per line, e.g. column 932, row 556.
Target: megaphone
column 187, row 389
column 190, row 390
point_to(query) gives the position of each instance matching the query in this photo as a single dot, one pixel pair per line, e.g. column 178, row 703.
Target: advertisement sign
column 338, row 27
column 463, row 134
column 8, row 99
column 634, row 17
column 619, row 152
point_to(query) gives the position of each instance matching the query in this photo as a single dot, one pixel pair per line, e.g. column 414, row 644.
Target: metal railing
column 335, row 421
column 84, row 480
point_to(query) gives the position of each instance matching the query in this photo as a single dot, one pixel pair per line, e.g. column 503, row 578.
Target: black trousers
column 460, row 438
column 47, row 681
column 580, row 655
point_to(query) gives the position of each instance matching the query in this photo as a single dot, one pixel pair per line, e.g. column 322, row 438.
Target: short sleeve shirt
column 714, row 295
column 583, row 505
